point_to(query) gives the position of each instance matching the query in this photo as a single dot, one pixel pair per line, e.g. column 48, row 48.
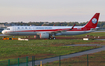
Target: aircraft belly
column 23, row 33
column 73, row 32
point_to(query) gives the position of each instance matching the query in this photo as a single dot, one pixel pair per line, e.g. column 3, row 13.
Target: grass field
column 96, row 59
column 13, row 48
column 10, row 49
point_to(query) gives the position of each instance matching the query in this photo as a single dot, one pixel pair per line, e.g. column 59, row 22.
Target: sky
column 50, row 10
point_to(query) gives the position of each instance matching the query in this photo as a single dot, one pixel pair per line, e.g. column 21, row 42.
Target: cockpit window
column 8, row 29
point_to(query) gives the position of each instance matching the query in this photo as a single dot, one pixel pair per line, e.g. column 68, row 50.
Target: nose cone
column 3, row 32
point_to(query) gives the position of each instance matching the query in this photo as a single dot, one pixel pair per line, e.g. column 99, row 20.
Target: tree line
column 100, row 24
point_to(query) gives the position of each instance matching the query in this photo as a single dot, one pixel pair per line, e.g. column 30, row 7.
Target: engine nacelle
column 44, row 35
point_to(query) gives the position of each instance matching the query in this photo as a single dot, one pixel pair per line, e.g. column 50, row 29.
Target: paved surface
column 3, row 35
column 99, row 31
column 87, row 44
column 37, row 62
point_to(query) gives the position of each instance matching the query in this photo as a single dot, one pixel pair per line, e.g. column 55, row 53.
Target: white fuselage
column 35, row 30
column 48, row 31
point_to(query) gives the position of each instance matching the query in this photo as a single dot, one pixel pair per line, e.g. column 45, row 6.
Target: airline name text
column 43, row 27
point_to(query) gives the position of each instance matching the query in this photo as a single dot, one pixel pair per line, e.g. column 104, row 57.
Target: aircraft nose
column 3, row 32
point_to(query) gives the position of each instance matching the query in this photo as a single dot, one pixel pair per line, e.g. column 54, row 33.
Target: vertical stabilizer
column 93, row 21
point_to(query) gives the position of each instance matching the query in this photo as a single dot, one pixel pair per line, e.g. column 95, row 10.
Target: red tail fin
column 93, row 22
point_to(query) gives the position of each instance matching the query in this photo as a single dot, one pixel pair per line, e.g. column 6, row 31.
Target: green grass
column 11, row 49
column 14, row 48
column 96, row 59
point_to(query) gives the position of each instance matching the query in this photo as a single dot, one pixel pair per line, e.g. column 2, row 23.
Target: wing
column 63, row 30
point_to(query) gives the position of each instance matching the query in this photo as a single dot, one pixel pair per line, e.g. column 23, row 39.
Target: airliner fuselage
column 34, row 30
column 48, row 31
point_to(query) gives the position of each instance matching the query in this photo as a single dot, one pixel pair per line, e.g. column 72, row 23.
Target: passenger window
column 18, row 27
column 29, row 27
column 22, row 27
column 25, row 27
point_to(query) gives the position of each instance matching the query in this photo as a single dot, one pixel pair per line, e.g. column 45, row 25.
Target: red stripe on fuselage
column 54, row 30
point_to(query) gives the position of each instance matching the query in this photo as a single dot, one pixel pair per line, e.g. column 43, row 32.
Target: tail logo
column 94, row 20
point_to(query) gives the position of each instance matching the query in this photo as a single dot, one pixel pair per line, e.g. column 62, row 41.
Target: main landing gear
column 50, row 37
column 54, row 38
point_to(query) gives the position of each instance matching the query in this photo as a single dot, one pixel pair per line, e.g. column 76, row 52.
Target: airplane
column 52, row 31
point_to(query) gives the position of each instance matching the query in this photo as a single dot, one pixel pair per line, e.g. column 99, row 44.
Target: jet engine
column 44, row 35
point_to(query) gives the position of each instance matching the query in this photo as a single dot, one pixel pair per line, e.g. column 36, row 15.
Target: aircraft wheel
column 54, row 38
column 50, row 38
